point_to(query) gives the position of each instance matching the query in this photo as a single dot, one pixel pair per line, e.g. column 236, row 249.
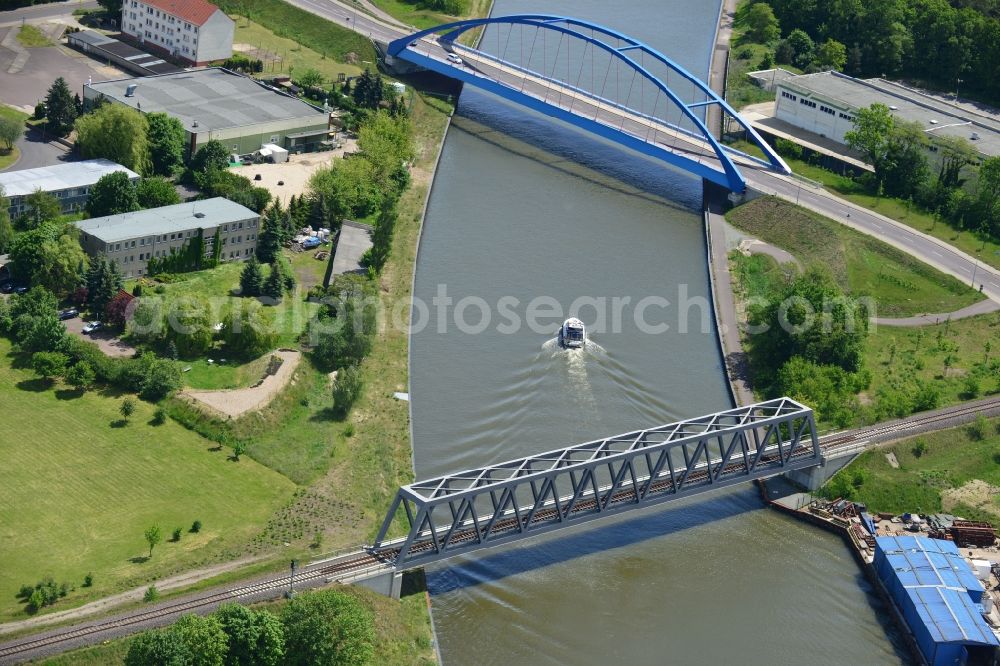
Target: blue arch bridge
column 596, row 79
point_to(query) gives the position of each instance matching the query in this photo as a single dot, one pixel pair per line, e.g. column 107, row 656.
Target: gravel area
column 236, row 402
column 108, row 342
column 293, row 174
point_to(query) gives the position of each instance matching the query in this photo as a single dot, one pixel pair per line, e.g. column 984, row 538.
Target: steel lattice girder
column 499, row 503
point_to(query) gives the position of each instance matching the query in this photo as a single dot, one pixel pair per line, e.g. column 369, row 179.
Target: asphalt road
column 43, row 12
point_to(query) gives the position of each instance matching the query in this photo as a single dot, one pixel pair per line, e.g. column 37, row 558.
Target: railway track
column 345, row 569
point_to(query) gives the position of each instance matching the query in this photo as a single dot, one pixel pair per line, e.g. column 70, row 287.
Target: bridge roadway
column 361, row 564
column 930, row 250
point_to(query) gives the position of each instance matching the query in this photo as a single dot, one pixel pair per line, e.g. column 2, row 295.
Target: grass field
column 31, row 36
column 293, row 55
column 8, row 157
column 928, row 482
column 957, row 358
column 900, row 284
column 77, row 492
column 324, row 37
column 411, row 14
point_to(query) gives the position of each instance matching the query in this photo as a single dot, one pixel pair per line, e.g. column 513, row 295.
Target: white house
column 193, row 31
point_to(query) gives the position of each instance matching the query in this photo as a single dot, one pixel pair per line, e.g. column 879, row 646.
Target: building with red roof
column 192, row 31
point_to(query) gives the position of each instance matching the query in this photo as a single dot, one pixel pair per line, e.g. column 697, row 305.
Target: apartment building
column 132, row 239
column 193, row 31
column 69, row 182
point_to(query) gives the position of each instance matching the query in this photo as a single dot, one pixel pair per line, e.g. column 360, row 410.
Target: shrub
column 196, row 526
column 88, row 580
column 980, row 428
column 159, row 416
column 176, row 535
column 152, row 594
column 919, row 449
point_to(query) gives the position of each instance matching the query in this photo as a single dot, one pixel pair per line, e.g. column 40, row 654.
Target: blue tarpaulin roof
column 950, row 616
column 922, row 561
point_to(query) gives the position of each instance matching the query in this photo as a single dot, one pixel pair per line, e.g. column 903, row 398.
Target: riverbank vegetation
column 870, row 373
column 955, row 471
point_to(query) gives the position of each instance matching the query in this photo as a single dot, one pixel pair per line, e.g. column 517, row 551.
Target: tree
column 905, row 170
column 60, row 111
column 309, row 78
column 126, row 410
column 80, row 376
column 10, row 132
column 346, row 388
column 203, row 639
column 117, row 133
column 269, row 240
column 34, row 324
column 189, row 327
column 369, row 90
column 761, row 24
column 41, row 207
column 341, row 334
column 162, row 379
column 239, row 448
column 104, row 281
column 802, row 48
column 955, row 153
column 49, row 364
column 872, row 131
column 61, row 262
column 156, row 192
column 155, row 647
column 6, row 229
column 274, row 285
column 254, row 638
column 166, row 143
column 113, row 193
column 152, row 534
column 248, row 330
column 831, row 54
column 212, row 156
column 327, row 627
column 251, row 278
column 113, row 7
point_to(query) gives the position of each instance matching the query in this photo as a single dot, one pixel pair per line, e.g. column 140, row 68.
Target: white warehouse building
column 193, row 31
column 825, row 104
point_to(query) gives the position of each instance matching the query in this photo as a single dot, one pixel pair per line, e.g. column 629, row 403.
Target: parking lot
column 107, row 341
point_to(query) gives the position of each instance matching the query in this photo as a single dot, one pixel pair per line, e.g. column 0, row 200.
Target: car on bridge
column 455, row 59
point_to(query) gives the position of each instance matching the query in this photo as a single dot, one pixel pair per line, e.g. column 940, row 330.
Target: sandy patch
column 294, row 174
column 976, row 493
column 891, row 458
column 236, row 402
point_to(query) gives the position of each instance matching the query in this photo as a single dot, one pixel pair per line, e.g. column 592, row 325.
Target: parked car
column 91, row 327
column 69, row 314
column 312, row 241
column 6, row 287
column 21, row 289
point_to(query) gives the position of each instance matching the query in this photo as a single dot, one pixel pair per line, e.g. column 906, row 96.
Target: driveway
column 105, row 340
column 28, row 85
column 37, row 152
column 46, row 11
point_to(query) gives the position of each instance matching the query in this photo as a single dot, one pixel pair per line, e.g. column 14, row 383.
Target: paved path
column 235, row 403
column 720, row 57
column 982, row 307
column 45, row 12
column 725, row 307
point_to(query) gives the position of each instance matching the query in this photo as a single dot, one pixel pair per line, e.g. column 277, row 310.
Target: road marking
column 937, row 253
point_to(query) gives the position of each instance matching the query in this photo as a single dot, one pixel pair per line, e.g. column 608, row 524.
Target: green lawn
column 31, row 36
column 972, row 347
column 972, row 243
column 223, row 375
column 949, row 459
column 293, row 55
column 324, row 37
column 900, row 284
column 77, row 492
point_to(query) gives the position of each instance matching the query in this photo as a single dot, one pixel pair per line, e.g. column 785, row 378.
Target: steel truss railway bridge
column 596, row 79
column 514, row 500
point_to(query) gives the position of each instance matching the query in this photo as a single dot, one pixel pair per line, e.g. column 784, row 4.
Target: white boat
column 572, row 334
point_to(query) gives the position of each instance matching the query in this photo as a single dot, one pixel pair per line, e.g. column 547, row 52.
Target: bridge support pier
column 388, row 583
column 811, row 478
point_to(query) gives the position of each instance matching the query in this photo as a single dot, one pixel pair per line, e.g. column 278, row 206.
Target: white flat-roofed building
column 825, row 103
column 69, row 182
column 194, row 31
column 132, row 239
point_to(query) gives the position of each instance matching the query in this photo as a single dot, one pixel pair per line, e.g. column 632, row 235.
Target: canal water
column 530, row 221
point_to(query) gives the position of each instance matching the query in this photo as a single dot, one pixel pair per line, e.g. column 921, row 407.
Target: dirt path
column 236, row 402
column 107, row 603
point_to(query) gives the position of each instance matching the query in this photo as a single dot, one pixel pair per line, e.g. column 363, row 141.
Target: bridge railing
column 500, row 503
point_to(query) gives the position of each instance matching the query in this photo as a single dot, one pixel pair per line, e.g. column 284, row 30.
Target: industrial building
column 132, row 239
column 826, row 103
column 69, row 182
column 215, row 103
column 193, row 31
column 120, row 54
column 940, row 598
